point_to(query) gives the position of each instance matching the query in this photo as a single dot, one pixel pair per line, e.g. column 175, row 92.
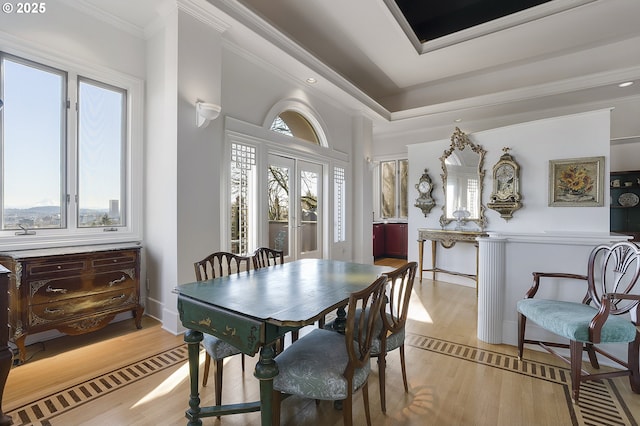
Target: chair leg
column 365, row 399
column 242, row 363
column 592, row 355
column 207, row 364
column 522, row 323
column 276, row 400
column 217, row 372
column 382, row 368
column 347, row 410
column 404, row 369
column 634, row 364
column 575, row 349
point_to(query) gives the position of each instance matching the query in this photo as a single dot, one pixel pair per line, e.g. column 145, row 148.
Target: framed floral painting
column 576, row 182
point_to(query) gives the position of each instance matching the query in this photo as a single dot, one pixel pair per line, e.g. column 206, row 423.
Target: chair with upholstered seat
column 602, row 317
column 216, row 265
column 325, row 365
column 389, row 329
column 394, row 318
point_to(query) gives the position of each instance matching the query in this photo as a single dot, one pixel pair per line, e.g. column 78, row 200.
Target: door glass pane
column 100, row 155
column 33, row 146
column 388, row 186
column 308, row 211
column 339, row 207
column 404, row 176
column 243, row 165
column 278, row 188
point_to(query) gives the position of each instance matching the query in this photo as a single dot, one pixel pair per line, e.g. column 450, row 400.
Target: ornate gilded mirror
column 462, row 180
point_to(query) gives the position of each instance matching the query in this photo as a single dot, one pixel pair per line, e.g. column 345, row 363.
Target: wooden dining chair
column 612, row 274
column 389, row 328
column 265, row 256
column 325, row 365
column 216, row 265
column 391, row 333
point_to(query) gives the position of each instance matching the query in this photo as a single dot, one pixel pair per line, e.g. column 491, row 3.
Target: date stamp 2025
column 26, row 8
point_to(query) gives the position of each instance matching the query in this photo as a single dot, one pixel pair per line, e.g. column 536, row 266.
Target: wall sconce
column 205, row 112
column 371, row 164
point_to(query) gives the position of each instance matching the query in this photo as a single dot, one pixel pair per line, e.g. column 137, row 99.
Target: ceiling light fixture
column 625, row 84
column 311, row 80
column 457, row 120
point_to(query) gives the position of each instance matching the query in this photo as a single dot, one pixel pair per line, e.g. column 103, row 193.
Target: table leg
column 420, row 256
column 434, row 245
column 193, row 338
column 266, row 370
column 340, row 323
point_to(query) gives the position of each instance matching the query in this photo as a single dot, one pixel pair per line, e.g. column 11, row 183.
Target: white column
column 491, row 287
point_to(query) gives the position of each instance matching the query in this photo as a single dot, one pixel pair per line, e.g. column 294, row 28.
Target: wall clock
column 424, row 201
column 505, row 198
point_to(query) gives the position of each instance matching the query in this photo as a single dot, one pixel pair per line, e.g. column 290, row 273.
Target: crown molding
column 116, row 22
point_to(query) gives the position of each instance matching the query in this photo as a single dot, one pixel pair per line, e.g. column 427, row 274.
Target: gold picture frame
column 576, row 182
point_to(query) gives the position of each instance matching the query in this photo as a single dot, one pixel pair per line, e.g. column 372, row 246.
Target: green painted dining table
column 252, row 309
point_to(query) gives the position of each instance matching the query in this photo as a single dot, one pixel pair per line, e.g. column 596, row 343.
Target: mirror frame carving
column 460, row 141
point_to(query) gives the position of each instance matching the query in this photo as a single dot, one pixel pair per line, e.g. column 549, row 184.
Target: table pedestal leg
column 266, row 370
column 340, row 323
column 193, row 338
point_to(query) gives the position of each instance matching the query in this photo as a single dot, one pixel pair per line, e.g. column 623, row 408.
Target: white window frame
column 71, row 236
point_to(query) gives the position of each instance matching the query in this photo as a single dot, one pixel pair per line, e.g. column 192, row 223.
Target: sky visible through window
column 34, row 142
column 32, row 136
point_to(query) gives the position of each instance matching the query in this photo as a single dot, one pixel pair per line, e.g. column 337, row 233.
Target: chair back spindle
column 613, row 271
column 265, row 256
column 358, row 337
column 221, row 264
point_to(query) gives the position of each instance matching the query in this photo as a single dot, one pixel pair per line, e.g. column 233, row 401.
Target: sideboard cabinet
column 75, row 290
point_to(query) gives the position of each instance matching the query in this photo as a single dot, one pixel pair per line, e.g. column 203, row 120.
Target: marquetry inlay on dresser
column 75, row 290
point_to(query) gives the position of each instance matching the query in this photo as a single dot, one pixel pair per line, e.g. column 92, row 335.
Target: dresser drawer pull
column 53, row 311
column 122, row 296
column 118, row 281
column 56, row 290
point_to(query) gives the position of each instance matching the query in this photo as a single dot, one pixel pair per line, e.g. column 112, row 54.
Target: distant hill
column 46, row 210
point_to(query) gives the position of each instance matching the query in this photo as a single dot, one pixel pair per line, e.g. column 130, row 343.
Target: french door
column 295, row 210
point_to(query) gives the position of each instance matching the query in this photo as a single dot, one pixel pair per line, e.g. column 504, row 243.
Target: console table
column 447, row 239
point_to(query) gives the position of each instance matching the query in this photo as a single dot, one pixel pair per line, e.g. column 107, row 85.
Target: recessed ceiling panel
column 430, row 20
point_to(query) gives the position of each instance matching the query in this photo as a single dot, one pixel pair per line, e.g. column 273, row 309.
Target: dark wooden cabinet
column 395, row 235
column 625, row 205
column 5, row 352
column 75, row 290
column 390, row 240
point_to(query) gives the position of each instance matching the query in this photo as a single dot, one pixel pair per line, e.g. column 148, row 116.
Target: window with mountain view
column 64, row 144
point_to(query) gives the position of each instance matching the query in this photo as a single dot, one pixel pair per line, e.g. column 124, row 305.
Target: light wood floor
column 453, row 379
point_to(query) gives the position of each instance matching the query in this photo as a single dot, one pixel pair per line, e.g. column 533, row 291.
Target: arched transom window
column 294, row 124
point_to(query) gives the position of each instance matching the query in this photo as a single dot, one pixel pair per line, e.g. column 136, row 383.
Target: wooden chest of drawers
column 75, row 290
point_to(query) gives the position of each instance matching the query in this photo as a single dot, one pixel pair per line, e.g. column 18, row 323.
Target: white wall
column 532, row 145
column 66, row 31
column 625, row 155
column 160, row 193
